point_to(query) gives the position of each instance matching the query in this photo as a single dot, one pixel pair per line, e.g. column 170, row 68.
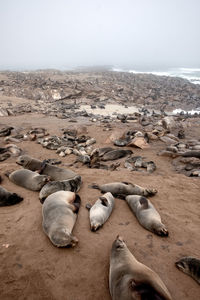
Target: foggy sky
column 69, row 33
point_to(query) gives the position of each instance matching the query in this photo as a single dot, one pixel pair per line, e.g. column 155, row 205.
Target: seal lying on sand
column 101, row 211
column 146, row 214
column 56, row 173
column 51, row 187
column 191, row 153
column 190, row 266
column 7, row 198
column 129, row 279
column 60, row 211
column 28, row 179
column 121, row 189
column 115, row 154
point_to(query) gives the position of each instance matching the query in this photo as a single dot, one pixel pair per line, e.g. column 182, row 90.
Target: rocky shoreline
column 57, row 93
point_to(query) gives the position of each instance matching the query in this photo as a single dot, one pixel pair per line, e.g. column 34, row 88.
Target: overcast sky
column 69, row 33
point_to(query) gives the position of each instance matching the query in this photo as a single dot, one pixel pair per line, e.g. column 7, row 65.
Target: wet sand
column 32, row 268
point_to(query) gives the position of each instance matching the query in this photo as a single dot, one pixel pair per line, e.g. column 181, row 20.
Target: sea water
column 191, row 74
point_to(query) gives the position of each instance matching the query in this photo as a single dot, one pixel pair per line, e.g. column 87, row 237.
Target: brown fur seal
column 60, row 211
column 51, row 187
column 101, row 211
column 146, row 214
column 56, row 173
column 131, row 280
column 190, row 266
column 115, row 154
column 192, row 153
column 7, row 198
column 121, row 189
column 28, row 179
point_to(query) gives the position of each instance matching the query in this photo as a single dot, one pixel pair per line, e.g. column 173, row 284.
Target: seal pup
column 59, row 212
column 129, row 279
column 146, row 214
column 101, row 211
column 190, row 266
column 51, row 187
column 122, row 189
column 8, row 198
column 28, row 179
column 56, row 173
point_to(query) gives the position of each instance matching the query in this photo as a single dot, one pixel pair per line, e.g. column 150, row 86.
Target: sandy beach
column 32, row 268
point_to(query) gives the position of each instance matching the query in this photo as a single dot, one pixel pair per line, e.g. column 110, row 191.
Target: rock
column 3, row 112
column 139, row 142
column 62, row 154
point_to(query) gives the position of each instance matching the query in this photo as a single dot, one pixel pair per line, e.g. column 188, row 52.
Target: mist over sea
column 191, row 74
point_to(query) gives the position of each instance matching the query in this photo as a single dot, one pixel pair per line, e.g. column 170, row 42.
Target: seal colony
column 145, row 129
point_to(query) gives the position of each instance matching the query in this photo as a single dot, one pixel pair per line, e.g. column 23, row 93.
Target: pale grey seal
column 129, row 279
column 146, row 214
column 101, row 211
column 59, row 212
column 29, row 179
column 122, row 189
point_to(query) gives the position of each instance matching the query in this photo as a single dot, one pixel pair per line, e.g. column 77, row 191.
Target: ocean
column 191, row 74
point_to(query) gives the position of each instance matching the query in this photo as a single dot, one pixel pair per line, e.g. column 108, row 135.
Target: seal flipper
column 124, row 182
column 94, row 186
column 104, row 201
column 144, row 202
column 120, row 196
column 11, row 200
column 77, row 204
column 88, row 206
column 145, row 290
column 43, row 166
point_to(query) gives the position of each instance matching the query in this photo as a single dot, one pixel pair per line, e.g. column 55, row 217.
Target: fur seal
column 59, row 212
column 116, row 154
column 56, row 173
column 190, row 266
column 101, row 211
column 129, row 279
column 51, row 187
column 121, row 189
column 29, row 179
column 8, row 198
column 146, row 214
column 191, row 153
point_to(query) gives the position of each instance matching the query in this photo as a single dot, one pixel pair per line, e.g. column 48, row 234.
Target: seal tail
column 94, row 186
column 7, row 173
